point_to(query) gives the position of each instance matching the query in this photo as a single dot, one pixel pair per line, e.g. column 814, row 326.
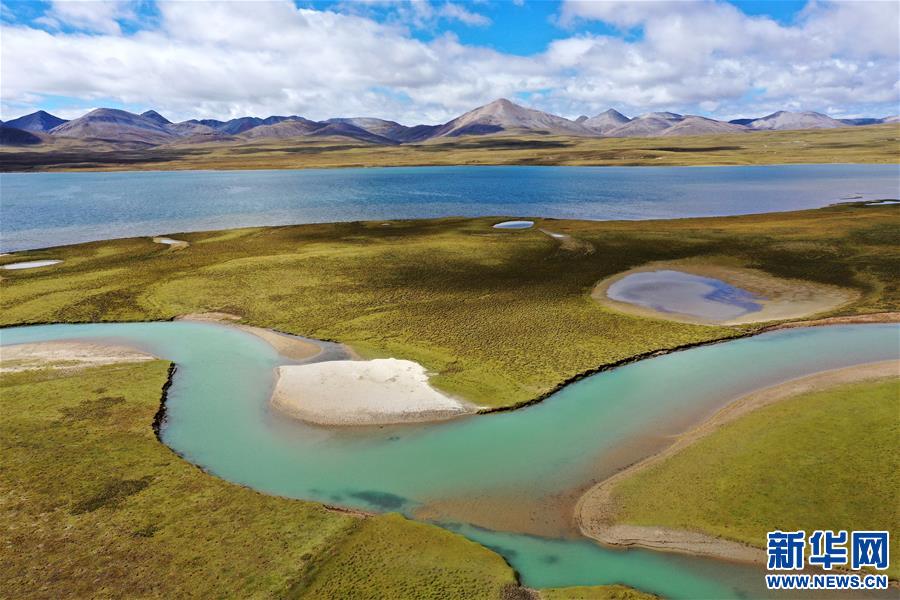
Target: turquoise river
column 218, row 417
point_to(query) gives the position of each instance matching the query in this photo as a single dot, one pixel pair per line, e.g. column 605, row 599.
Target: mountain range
column 499, row 117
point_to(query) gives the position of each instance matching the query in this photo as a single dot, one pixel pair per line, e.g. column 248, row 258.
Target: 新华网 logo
column 826, row 549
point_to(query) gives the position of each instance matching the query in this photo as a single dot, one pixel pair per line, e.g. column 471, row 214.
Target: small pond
column 514, row 225
column 31, row 264
column 685, row 294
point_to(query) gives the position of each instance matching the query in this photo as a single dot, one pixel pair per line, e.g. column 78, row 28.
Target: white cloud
column 101, row 16
column 226, row 59
column 460, row 13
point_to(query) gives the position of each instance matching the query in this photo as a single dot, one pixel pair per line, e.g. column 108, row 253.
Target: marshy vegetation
column 500, row 317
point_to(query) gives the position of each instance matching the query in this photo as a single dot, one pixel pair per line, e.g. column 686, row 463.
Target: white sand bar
column 31, row 264
column 370, row 392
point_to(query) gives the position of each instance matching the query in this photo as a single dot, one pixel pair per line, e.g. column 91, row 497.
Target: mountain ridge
column 501, row 116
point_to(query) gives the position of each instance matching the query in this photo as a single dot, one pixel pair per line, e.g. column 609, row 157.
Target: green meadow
column 820, row 460
column 499, row 317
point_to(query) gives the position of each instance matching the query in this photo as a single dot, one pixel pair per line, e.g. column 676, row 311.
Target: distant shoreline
column 74, row 171
column 872, row 144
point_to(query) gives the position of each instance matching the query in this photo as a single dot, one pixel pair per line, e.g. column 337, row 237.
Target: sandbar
column 596, row 511
column 289, row 346
column 362, row 392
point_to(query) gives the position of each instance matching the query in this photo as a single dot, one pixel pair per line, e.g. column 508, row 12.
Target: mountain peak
column 606, row 121
column 504, row 115
column 668, row 116
column 37, row 121
column 784, row 119
column 115, row 125
column 611, row 112
column 156, row 117
column 503, row 102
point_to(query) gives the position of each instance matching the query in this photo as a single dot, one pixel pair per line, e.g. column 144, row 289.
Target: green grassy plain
column 92, row 505
column 500, row 317
column 821, row 460
column 872, row 144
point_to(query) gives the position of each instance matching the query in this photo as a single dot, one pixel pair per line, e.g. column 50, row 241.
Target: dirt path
column 569, row 243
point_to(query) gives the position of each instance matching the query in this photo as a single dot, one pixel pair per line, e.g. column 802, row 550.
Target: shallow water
column 49, row 209
column 30, row 264
column 684, row 294
column 218, row 417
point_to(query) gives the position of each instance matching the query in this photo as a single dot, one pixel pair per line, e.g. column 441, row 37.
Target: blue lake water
column 48, row 209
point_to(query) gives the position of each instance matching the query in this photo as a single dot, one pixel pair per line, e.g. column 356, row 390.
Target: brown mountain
column 113, row 125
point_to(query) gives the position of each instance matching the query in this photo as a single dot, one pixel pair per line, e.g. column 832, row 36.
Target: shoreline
column 881, row 317
column 286, row 344
column 866, row 318
column 333, row 167
column 595, row 510
column 837, row 203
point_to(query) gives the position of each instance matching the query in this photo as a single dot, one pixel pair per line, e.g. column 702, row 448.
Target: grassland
column 872, row 144
column 500, row 317
column 92, row 505
column 824, row 459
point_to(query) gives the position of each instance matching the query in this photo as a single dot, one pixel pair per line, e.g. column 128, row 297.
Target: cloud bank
column 227, row 59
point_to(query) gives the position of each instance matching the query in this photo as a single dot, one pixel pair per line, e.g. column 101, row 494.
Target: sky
column 427, row 61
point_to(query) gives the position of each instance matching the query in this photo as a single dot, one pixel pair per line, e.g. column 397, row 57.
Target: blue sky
column 429, row 60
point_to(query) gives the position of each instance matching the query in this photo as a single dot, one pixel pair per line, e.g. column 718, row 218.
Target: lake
column 48, row 209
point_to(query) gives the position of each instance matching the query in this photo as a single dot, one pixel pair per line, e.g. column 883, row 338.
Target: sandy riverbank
column 781, row 299
column 288, row 346
column 66, row 355
column 371, row 392
column 596, row 511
